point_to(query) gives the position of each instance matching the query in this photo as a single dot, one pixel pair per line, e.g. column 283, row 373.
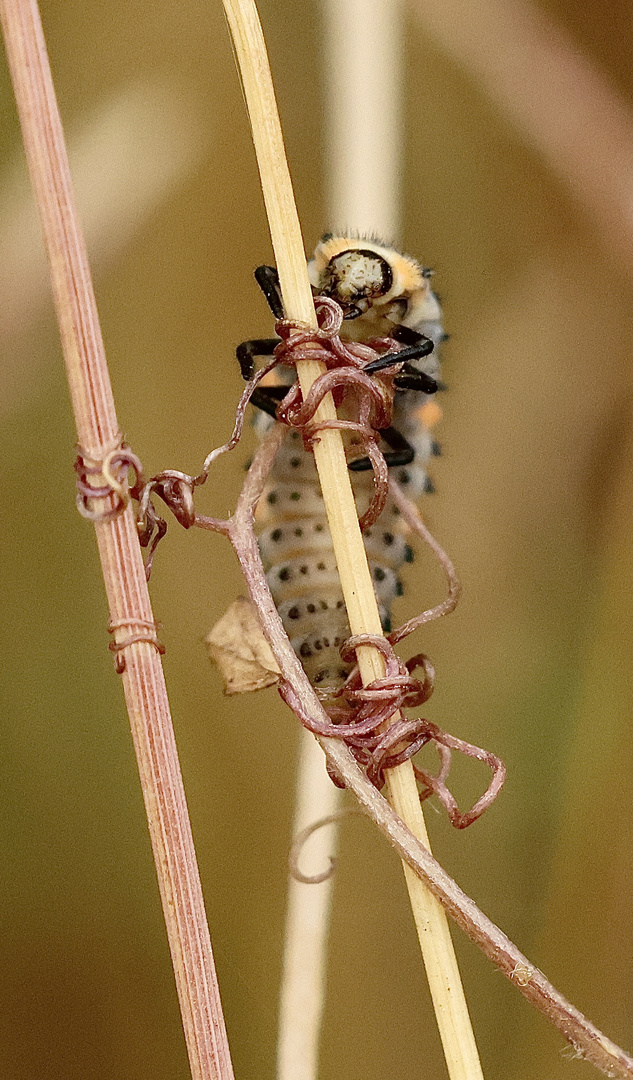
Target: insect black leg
column 268, row 280
column 412, row 352
column 401, row 453
column 248, row 350
column 411, row 379
column 267, row 398
column 406, row 336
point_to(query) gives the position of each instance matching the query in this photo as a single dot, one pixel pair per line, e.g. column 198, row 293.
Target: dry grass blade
column 364, row 186
column 303, row 989
column 363, row 189
column 130, row 610
column 329, row 455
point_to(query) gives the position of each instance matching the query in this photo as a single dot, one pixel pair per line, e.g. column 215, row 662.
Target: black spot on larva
column 368, row 532
column 339, row 603
column 386, row 624
column 321, row 675
column 408, row 553
column 404, row 477
column 295, row 462
column 320, row 566
column 379, row 574
column 311, row 608
column 284, row 574
column 294, row 613
column 388, row 538
column 303, row 569
column 399, row 589
column 342, row 673
column 276, row 534
column 337, row 640
column 318, row 528
column 326, row 642
column 318, row 646
column 429, row 486
column 323, row 605
column 436, row 449
column 298, row 532
column 271, row 499
column 295, row 496
column 305, row 650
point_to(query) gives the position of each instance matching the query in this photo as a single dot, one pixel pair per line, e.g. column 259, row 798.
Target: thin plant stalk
column 363, row 192
column 448, row 996
column 364, row 46
column 124, row 574
column 303, row 982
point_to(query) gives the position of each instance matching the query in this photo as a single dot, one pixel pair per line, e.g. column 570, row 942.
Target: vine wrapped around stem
column 367, row 718
column 588, row 1041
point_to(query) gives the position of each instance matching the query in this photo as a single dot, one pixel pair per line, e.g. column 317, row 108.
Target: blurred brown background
column 533, row 502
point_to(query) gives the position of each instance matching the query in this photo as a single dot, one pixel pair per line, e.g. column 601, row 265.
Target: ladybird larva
column 384, row 294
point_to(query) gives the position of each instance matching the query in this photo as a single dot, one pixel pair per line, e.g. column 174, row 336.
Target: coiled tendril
column 361, row 715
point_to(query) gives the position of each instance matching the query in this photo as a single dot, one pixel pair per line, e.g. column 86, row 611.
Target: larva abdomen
column 384, row 295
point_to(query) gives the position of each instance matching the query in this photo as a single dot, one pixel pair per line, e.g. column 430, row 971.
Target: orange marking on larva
column 429, row 414
column 272, row 379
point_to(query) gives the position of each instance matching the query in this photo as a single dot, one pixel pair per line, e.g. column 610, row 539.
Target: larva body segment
column 296, row 549
column 293, row 536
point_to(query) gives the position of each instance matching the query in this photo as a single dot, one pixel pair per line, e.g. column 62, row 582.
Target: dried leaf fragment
column 237, row 645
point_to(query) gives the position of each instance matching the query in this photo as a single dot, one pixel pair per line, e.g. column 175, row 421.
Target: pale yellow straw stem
column 448, row 996
column 364, row 47
column 363, row 192
column 304, row 971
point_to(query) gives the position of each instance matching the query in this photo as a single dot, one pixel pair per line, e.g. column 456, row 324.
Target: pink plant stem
column 585, row 1037
column 123, row 569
